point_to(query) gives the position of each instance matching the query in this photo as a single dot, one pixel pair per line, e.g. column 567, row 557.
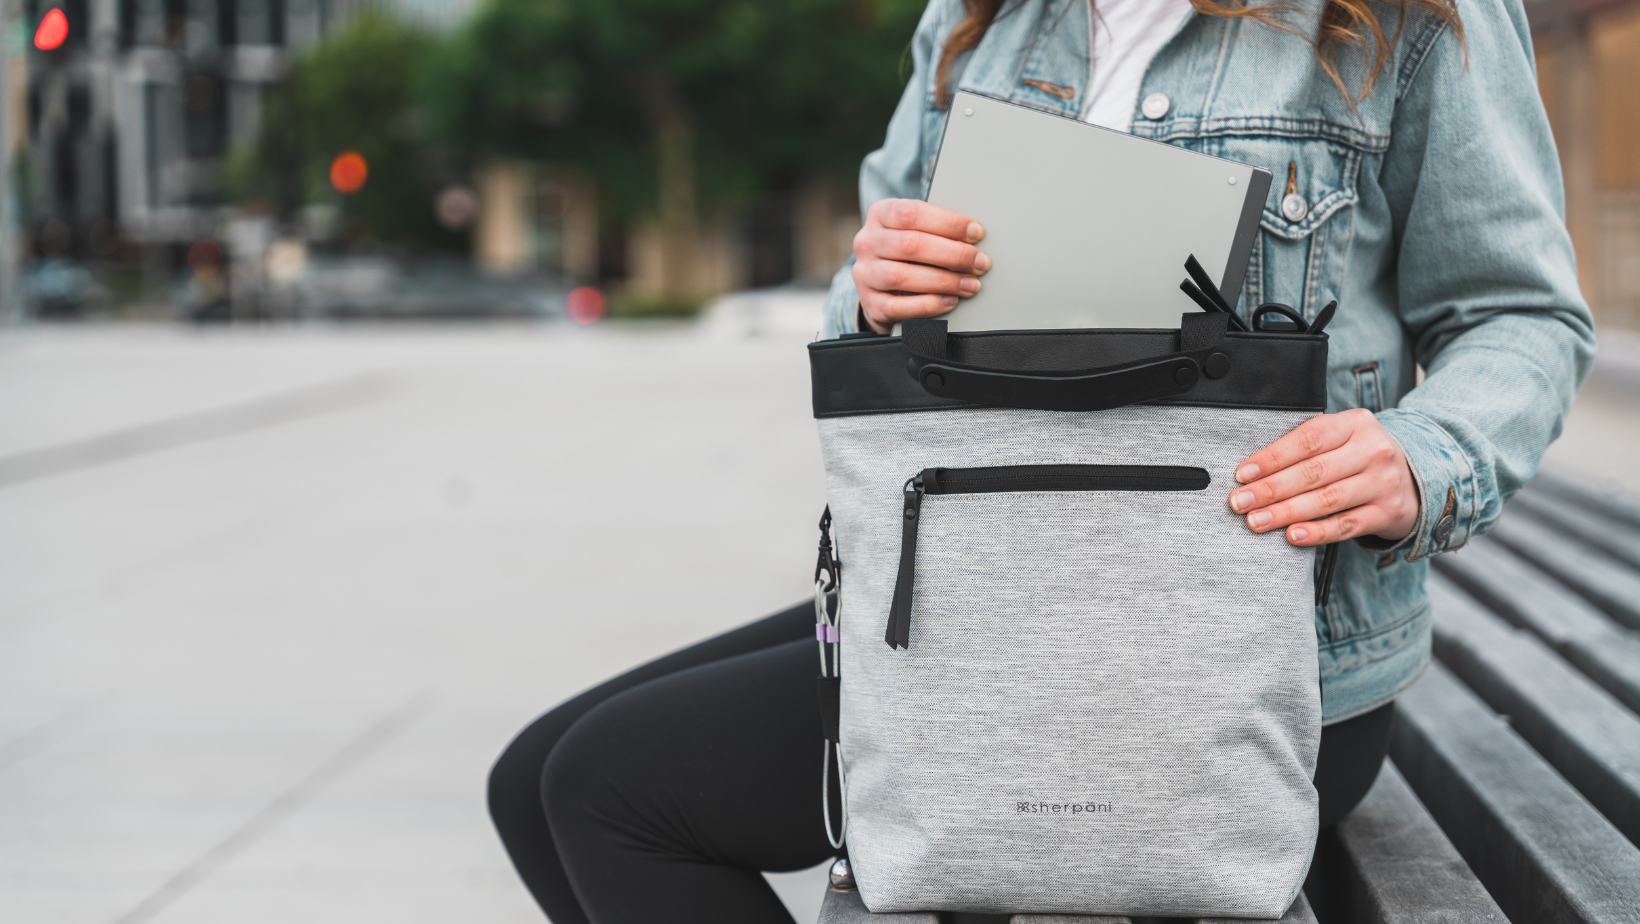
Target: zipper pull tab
column 899, row 612
column 1323, row 583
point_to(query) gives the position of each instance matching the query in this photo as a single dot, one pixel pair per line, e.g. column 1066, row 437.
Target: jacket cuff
column 1446, row 487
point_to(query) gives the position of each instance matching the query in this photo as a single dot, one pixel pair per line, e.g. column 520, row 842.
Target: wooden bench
column 1512, row 792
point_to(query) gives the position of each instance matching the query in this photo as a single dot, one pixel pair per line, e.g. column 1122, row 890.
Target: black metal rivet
column 1184, row 376
column 933, row 381
column 910, row 513
column 1444, row 527
column 1216, row 366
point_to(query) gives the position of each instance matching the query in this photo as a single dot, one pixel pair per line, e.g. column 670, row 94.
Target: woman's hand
column 1345, row 464
column 914, row 260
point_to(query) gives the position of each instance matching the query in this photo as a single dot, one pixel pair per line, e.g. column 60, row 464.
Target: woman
column 1417, row 184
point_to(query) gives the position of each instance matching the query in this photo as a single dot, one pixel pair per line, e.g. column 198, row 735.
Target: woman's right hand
column 914, row 260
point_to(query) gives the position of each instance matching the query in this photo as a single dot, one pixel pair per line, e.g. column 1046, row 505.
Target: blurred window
column 65, row 172
column 110, row 205
column 611, row 253
column 79, row 23
column 770, row 240
column 261, row 22
column 204, row 115
column 227, row 23
column 547, row 230
column 1616, row 46
column 175, row 32
column 79, row 109
column 164, row 115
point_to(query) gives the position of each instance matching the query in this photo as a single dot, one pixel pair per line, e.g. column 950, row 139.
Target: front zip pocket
column 1004, row 479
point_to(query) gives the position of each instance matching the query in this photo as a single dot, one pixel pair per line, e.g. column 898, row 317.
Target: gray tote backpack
column 1071, row 679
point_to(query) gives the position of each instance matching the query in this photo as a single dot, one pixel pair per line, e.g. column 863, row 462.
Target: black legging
column 660, row 795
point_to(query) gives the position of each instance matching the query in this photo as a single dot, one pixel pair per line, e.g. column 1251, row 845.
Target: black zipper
column 1002, row 479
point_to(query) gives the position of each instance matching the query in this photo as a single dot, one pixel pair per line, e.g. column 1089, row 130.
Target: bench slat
column 1398, row 866
column 840, row 907
column 1578, row 727
column 1603, row 503
column 1601, row 581
column 1065, row 919
column 1541, row 849
column 1299, row 913
column 1616, row 538
column 1526, row 597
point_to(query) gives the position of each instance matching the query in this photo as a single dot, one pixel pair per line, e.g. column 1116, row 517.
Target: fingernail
column 1298, row 534
column 1246, row 473
column 949, row 301
column 1259, row 520
column 975, row 232
column 982, row 263
column 1241, row 500
column 969, row 285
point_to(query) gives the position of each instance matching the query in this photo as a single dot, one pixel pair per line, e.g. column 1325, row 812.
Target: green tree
column 668, row 103
column 355, row 90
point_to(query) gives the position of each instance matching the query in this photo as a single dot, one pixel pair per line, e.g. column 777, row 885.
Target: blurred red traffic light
column 53, row 31
column 348, row 172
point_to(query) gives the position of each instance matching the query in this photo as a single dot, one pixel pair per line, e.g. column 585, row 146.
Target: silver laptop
column 1089, row 227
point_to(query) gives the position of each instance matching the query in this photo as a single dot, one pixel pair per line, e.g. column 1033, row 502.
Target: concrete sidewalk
column 271, row 602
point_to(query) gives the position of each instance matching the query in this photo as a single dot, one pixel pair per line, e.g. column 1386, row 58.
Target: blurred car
column 379, row 287
column 58, row 287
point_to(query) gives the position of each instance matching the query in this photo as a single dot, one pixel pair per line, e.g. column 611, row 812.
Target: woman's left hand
column 1344, row 467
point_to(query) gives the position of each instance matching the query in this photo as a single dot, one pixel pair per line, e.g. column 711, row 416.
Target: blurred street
column 271, row 601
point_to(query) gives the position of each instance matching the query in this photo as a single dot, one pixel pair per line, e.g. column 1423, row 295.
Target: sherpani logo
column 1064, row 808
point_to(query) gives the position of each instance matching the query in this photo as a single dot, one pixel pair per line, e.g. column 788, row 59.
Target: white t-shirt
column 1126, row 36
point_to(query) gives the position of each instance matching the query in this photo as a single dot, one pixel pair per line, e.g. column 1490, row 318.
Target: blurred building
column 128, row 120
column 543, row 217
column 1588, row 54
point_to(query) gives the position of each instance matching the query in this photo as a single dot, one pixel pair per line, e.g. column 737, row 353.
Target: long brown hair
column 1343, row 22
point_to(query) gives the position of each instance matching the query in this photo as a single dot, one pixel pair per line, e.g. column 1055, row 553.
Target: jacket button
column 1444, row 527
column 1155, row 105
column 1294, row 207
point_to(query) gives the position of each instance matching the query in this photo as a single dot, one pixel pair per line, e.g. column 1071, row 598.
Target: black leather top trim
column 1267, row 370
column 1140, row 381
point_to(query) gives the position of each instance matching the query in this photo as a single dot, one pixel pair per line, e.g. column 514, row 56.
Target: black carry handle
column 1201, row 341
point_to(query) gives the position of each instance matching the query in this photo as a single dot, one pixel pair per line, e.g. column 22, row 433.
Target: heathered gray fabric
column 1142, row 653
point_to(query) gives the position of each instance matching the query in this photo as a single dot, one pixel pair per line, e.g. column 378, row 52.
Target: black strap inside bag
column 1200, row 354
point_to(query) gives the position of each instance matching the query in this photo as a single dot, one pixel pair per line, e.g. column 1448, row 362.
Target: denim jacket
column 1431, row 210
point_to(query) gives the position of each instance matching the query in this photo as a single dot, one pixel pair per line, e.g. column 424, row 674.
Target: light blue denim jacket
column 1433, row 214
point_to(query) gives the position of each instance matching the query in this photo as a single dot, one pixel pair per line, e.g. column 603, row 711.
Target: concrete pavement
column 271, row 602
